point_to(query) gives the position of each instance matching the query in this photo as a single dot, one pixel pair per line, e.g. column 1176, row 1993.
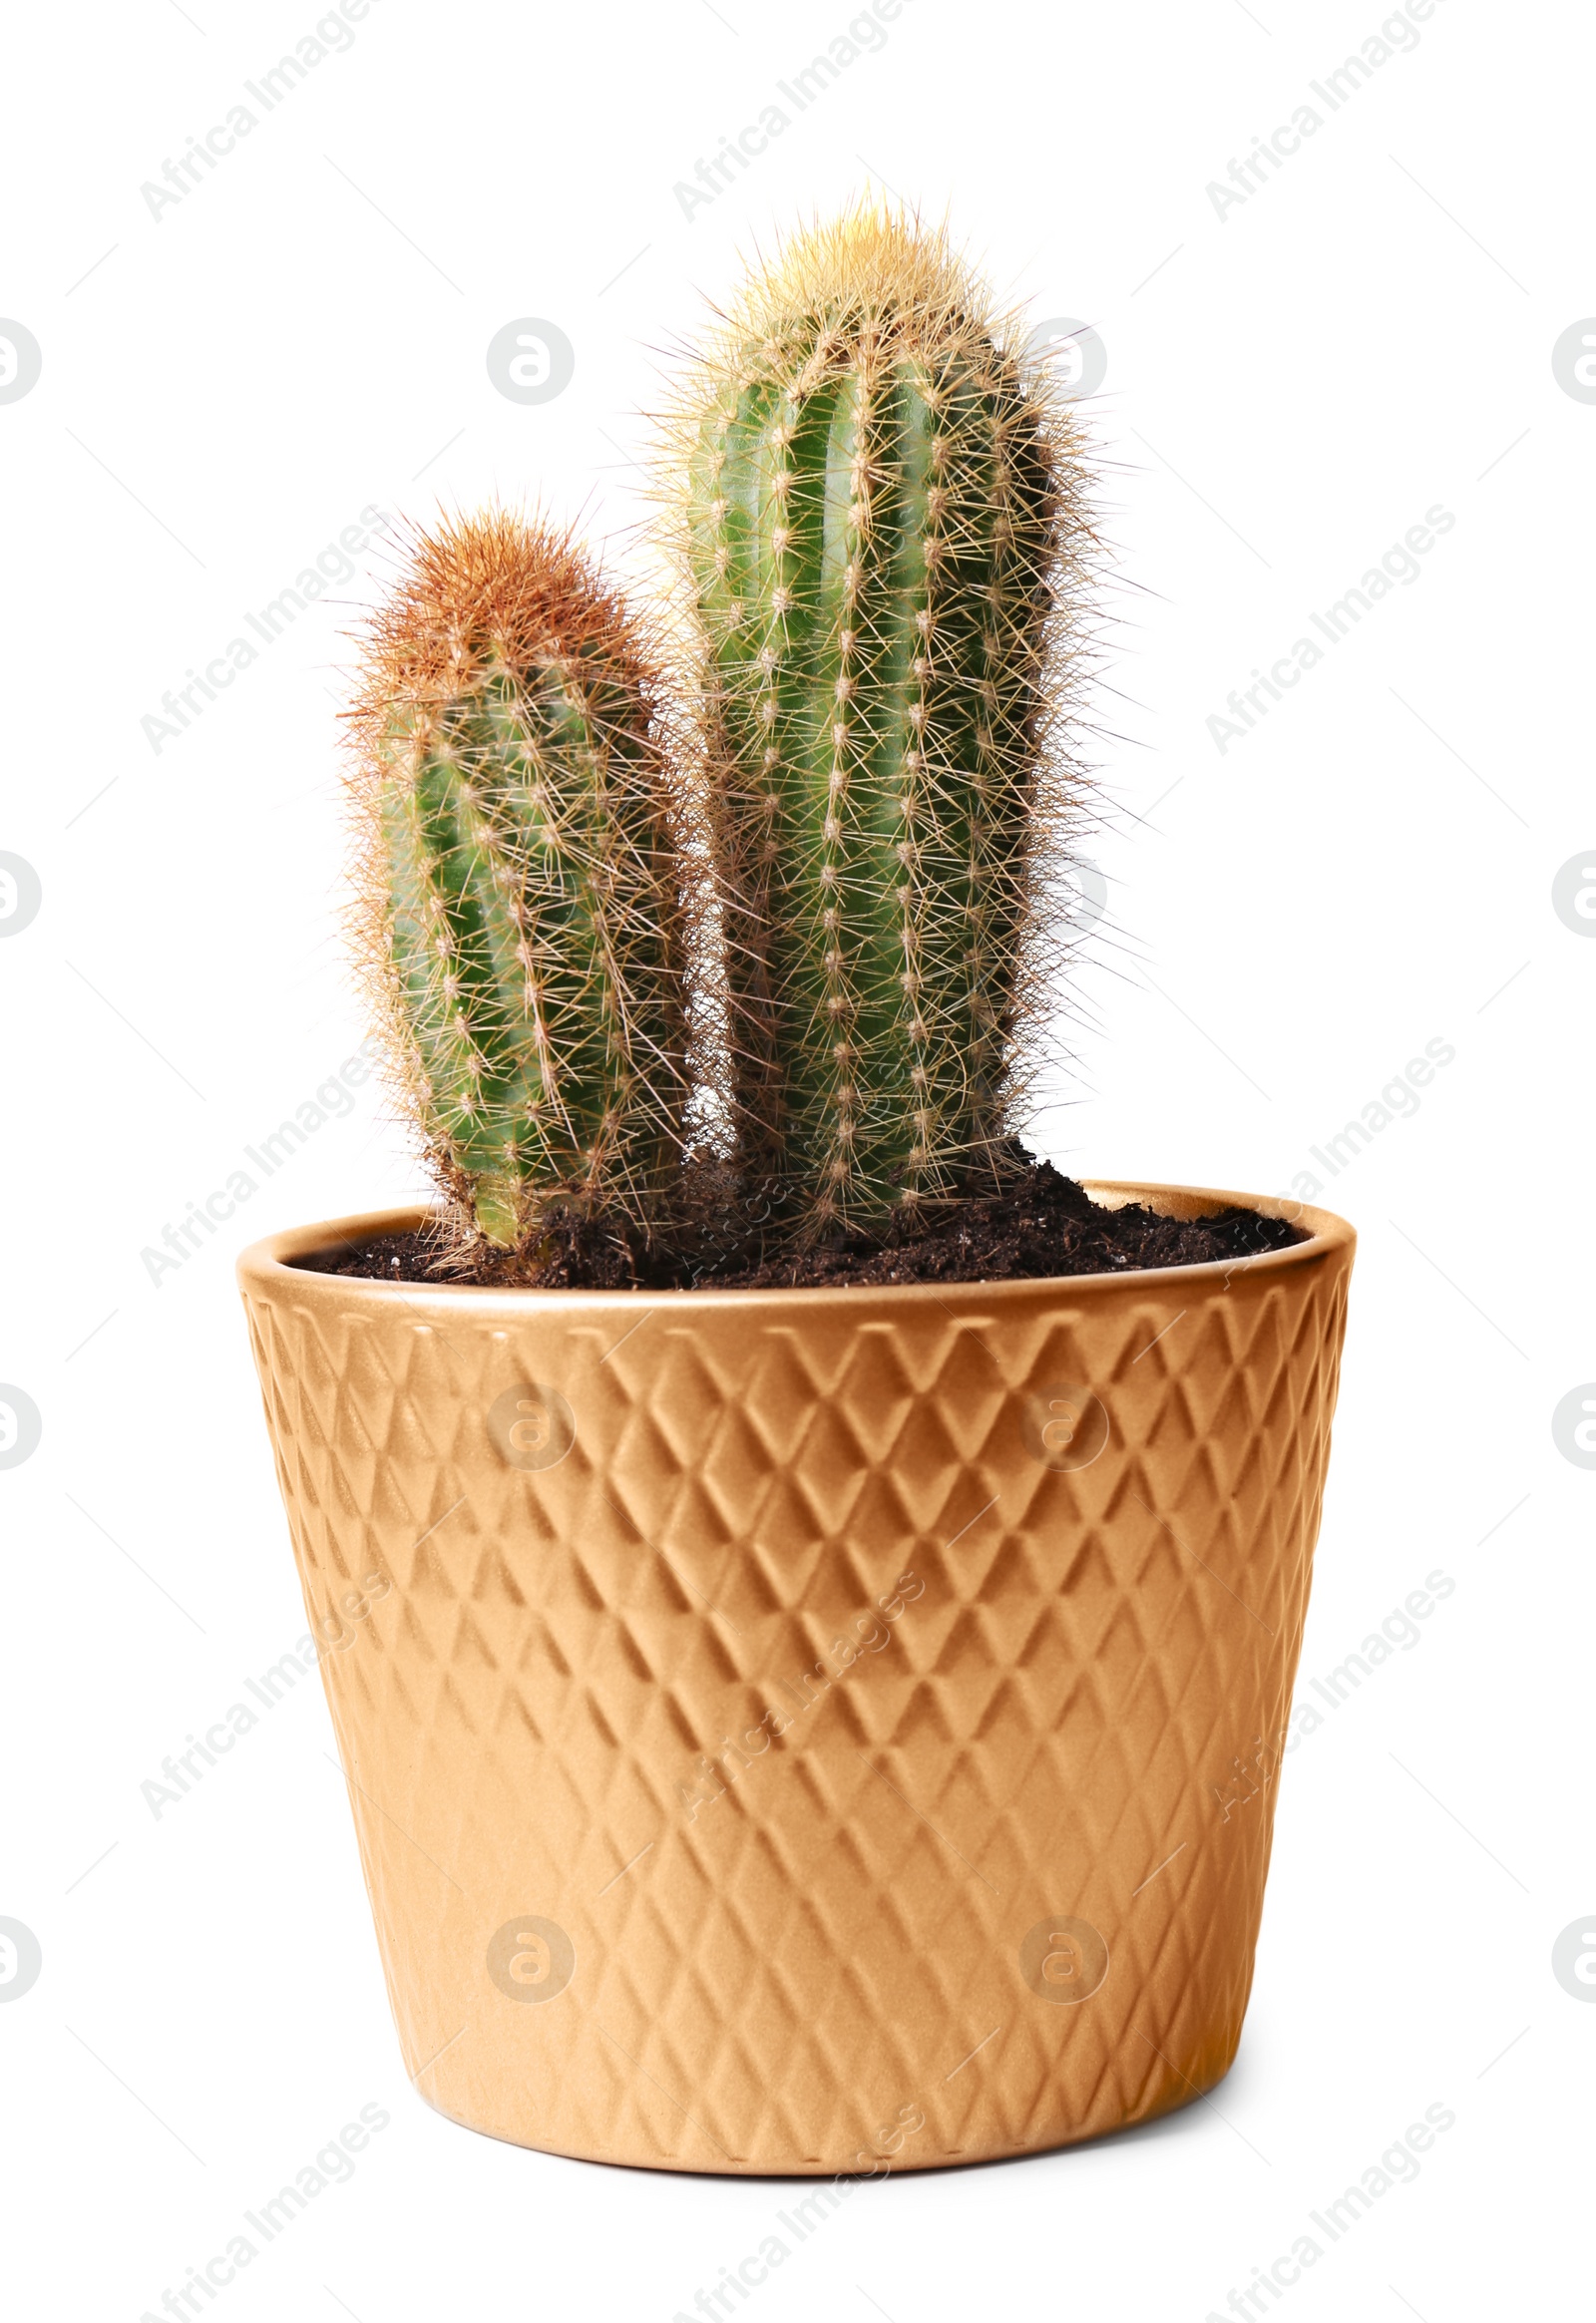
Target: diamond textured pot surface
column 813, row 1731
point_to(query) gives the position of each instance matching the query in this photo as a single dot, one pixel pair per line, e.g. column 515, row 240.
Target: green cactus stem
column 520, row 917
column 883, row 539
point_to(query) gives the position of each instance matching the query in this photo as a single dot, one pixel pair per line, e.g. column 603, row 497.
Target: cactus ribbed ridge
column 884, row 543
column 519, row 916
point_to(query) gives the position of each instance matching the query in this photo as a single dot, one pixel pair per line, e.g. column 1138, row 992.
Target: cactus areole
column 883, row 540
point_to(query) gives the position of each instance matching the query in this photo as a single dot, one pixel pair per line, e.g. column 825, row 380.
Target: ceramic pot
column 810, row 1731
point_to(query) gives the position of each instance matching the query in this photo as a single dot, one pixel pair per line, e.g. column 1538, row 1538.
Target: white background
column 1290, row 387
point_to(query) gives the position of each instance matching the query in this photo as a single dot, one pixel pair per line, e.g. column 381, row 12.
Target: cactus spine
column 883, row 535
column 519, row 911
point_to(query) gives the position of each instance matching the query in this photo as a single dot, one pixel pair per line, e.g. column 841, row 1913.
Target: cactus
column 520, row 915
column 883, row 539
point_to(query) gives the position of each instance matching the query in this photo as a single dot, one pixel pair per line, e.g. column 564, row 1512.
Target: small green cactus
column 520, row 912
column 884, row 542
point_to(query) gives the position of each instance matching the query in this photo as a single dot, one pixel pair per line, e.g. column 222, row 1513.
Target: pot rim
column 268, row 1263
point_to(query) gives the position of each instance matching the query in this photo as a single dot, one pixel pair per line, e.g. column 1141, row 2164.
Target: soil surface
column 1044, row 1223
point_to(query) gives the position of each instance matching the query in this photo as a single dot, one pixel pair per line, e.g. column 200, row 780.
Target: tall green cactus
column 520, row 910
column 882, row 536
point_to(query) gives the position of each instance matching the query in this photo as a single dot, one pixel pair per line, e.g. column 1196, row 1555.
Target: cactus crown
column 883, row 544
column 519, row 917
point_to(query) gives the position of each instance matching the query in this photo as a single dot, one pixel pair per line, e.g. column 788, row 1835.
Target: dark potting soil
column 1042, row 1223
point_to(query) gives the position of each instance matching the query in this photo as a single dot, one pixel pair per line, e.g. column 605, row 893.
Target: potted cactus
column 833, row 1563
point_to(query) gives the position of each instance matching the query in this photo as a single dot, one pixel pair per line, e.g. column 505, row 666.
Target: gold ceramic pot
column 810, row 1731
